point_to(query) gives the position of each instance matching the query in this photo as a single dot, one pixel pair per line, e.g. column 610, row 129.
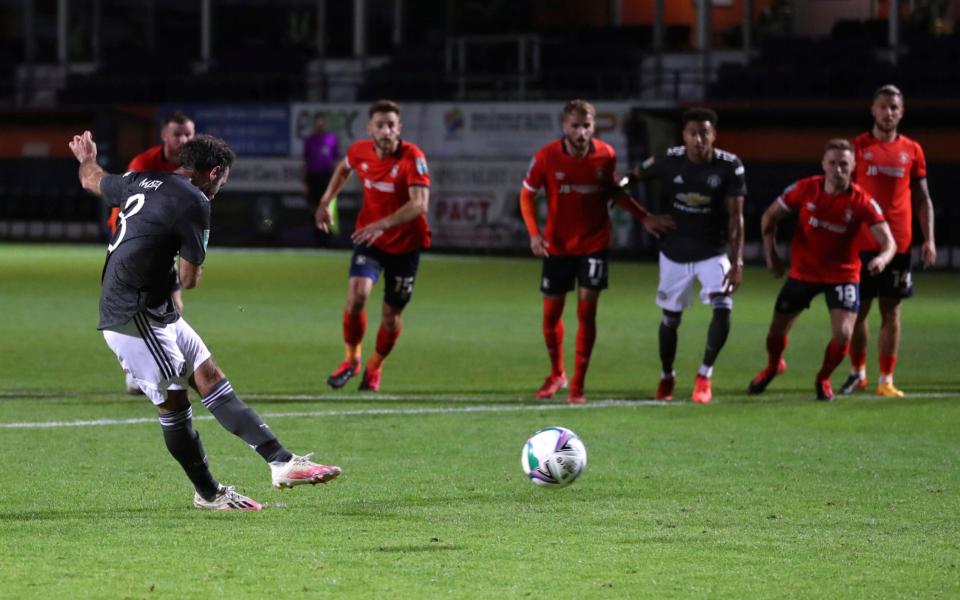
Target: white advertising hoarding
column 502, row 130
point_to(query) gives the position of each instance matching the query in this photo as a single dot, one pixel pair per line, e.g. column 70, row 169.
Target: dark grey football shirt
column 695, row 194
column 161, row 215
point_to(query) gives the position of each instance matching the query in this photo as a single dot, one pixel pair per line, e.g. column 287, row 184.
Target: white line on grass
column 354, row 412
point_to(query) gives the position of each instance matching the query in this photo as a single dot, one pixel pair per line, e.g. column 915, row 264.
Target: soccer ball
column 553, row 457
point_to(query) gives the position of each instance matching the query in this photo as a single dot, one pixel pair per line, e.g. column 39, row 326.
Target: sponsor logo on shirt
column 693, row 199
column 874, row 170
column 821, row 224
column 380, row 186
column 580, row 189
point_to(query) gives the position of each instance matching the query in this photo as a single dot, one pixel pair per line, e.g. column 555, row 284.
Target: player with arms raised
column 830, row 210
column 163, row 215
column 892, row 168
column 704, row 189
column 391, row 231
column 578, row 174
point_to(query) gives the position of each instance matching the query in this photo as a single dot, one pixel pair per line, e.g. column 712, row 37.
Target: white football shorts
column 675, row 291
column 159, row 357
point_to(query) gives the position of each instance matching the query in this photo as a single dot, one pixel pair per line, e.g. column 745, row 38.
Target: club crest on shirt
column 904, row 159
column 394, row 170
column 848, row 215
column 811, row 206
column 560, row 175
column 714, row 181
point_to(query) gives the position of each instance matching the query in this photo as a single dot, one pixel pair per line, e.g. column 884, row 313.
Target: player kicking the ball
column 391, row 231
column 830, row 210
column 577, row 172
column 161, row 215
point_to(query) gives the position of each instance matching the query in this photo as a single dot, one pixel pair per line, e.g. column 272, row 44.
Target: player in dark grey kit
column 702, row 190
column 161, row 215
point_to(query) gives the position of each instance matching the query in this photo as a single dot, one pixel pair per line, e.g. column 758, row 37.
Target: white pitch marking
column 354, row 413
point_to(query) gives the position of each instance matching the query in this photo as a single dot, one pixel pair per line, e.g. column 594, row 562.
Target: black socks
column 242, row 421
column 183, row 442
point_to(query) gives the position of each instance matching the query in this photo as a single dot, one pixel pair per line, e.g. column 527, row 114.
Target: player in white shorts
column 702, row 190
column 675, row 290
column 163, row 215
column 159, row 357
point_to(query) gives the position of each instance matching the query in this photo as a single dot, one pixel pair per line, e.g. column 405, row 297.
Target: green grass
column 775, row 496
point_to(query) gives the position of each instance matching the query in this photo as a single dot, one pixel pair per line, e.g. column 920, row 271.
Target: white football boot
column 228, row 498
column 300, row 470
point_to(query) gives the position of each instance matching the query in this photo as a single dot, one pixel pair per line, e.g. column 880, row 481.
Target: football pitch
column 771, row 496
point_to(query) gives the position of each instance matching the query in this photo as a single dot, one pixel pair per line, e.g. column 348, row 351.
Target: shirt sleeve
column 417, row 171
column 351, row 158
column 919, row 164
column 790, row 198
column 114, row 188
column 737, row 185
column 869, row 211
column 652, row 167
column 533, row 180
column 138, row 163
column 194, row 229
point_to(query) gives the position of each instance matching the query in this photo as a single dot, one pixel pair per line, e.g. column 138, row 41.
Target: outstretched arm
column 411, row 209
column 768, row 228
column 85, row 150
column 734, row 277
column 921, row 196
column 656, row 225
column 322, row 217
